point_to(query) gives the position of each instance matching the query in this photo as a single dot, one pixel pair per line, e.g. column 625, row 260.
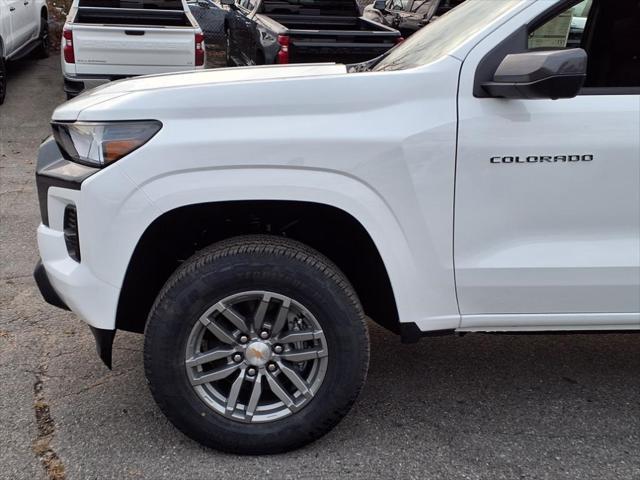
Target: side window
column 609, row 31
column 251, row 4
column 563, row 31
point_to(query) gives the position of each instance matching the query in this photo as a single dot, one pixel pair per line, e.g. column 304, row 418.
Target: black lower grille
column 71, row 237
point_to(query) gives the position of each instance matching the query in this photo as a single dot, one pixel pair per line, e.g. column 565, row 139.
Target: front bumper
column 104, row 338
column 64, row 282
column 46, row 289
column 74, row 283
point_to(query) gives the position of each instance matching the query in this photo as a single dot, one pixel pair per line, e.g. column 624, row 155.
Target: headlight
column 99, row 144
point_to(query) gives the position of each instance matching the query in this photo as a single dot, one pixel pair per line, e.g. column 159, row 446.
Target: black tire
column 275, row 264
column 3, row 79
column 42, row 50
column 70, row 95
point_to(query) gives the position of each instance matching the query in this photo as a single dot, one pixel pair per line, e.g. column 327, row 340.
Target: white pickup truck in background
column 106, row 40
column 23, row 29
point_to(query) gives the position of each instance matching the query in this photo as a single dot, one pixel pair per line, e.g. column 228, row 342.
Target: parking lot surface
column 472, row 407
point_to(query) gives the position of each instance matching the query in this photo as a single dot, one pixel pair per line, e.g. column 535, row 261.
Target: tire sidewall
column 174, row 316
column 3, row 79
column 43, row 48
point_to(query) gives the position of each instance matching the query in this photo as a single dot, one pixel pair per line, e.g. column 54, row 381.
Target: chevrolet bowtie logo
column 257, row 353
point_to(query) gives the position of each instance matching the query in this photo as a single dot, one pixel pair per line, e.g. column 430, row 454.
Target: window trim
column 490, row 62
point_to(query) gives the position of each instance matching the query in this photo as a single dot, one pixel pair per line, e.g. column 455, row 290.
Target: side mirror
column 540, row 74
column 229, row 3
column 379, row 4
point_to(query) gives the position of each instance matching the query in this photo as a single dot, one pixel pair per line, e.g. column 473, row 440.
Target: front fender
column 117, row 231
column 304, row 185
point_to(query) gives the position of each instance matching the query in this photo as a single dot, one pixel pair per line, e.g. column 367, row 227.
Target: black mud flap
column 104, row 344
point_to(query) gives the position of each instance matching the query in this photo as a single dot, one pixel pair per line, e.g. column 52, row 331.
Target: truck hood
column 70, row 110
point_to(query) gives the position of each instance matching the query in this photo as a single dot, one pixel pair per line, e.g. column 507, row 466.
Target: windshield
column 444, row 34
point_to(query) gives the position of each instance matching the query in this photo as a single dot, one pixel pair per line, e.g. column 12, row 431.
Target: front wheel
column 256, row 345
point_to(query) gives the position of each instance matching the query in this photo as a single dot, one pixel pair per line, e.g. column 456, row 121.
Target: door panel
column 548, row 210
column 6, row 23
column 548, row 196
column 245, row 37
column 236, row 26
column 20, row 23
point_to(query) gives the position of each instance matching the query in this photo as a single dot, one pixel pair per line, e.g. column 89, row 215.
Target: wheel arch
column 178, row 233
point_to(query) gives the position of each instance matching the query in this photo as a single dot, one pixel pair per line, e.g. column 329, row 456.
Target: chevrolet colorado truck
column 477, row 178
column 104, row 40
column 24, row 29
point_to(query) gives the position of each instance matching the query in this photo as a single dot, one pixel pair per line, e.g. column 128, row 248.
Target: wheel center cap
column 257, row 354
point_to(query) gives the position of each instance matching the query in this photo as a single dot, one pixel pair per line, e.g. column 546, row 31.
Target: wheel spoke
column 301, row 336
column 234, row 392
column 282, row 316
column 280, row 392
column 209, row 356
column 258, row 318
column 296, row 379
column 218, row 331
column 303, row 355
column 235, row 319
column 215, row 375
column 255, row 397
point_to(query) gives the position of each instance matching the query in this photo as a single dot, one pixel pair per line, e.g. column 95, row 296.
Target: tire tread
column 268, row 245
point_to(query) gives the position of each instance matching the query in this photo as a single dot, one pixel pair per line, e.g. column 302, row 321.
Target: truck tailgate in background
column 338, row 47
column 132, row 46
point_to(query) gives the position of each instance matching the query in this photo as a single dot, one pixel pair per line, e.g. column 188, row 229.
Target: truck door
column 21, row 22
column 240, row 29
column 547, row 211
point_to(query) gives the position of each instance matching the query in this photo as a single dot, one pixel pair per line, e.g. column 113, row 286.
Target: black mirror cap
column 544, row 74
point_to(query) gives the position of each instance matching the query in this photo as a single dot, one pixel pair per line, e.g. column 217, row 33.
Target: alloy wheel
column 256, row 357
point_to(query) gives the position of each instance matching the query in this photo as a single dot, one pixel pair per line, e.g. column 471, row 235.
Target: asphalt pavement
column 473, row 407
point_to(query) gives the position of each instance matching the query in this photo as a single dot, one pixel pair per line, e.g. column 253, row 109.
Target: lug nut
column 237, row 358
column 272, row 367
column 264, row 334
column 244, row 339
column 251, row 372
column 278, row 349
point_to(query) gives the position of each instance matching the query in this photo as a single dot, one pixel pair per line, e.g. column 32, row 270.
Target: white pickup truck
column 480, row 177
column 105, row 40
column 23, row 29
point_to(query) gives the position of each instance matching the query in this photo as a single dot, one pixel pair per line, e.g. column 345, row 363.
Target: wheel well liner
column 177, row 234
